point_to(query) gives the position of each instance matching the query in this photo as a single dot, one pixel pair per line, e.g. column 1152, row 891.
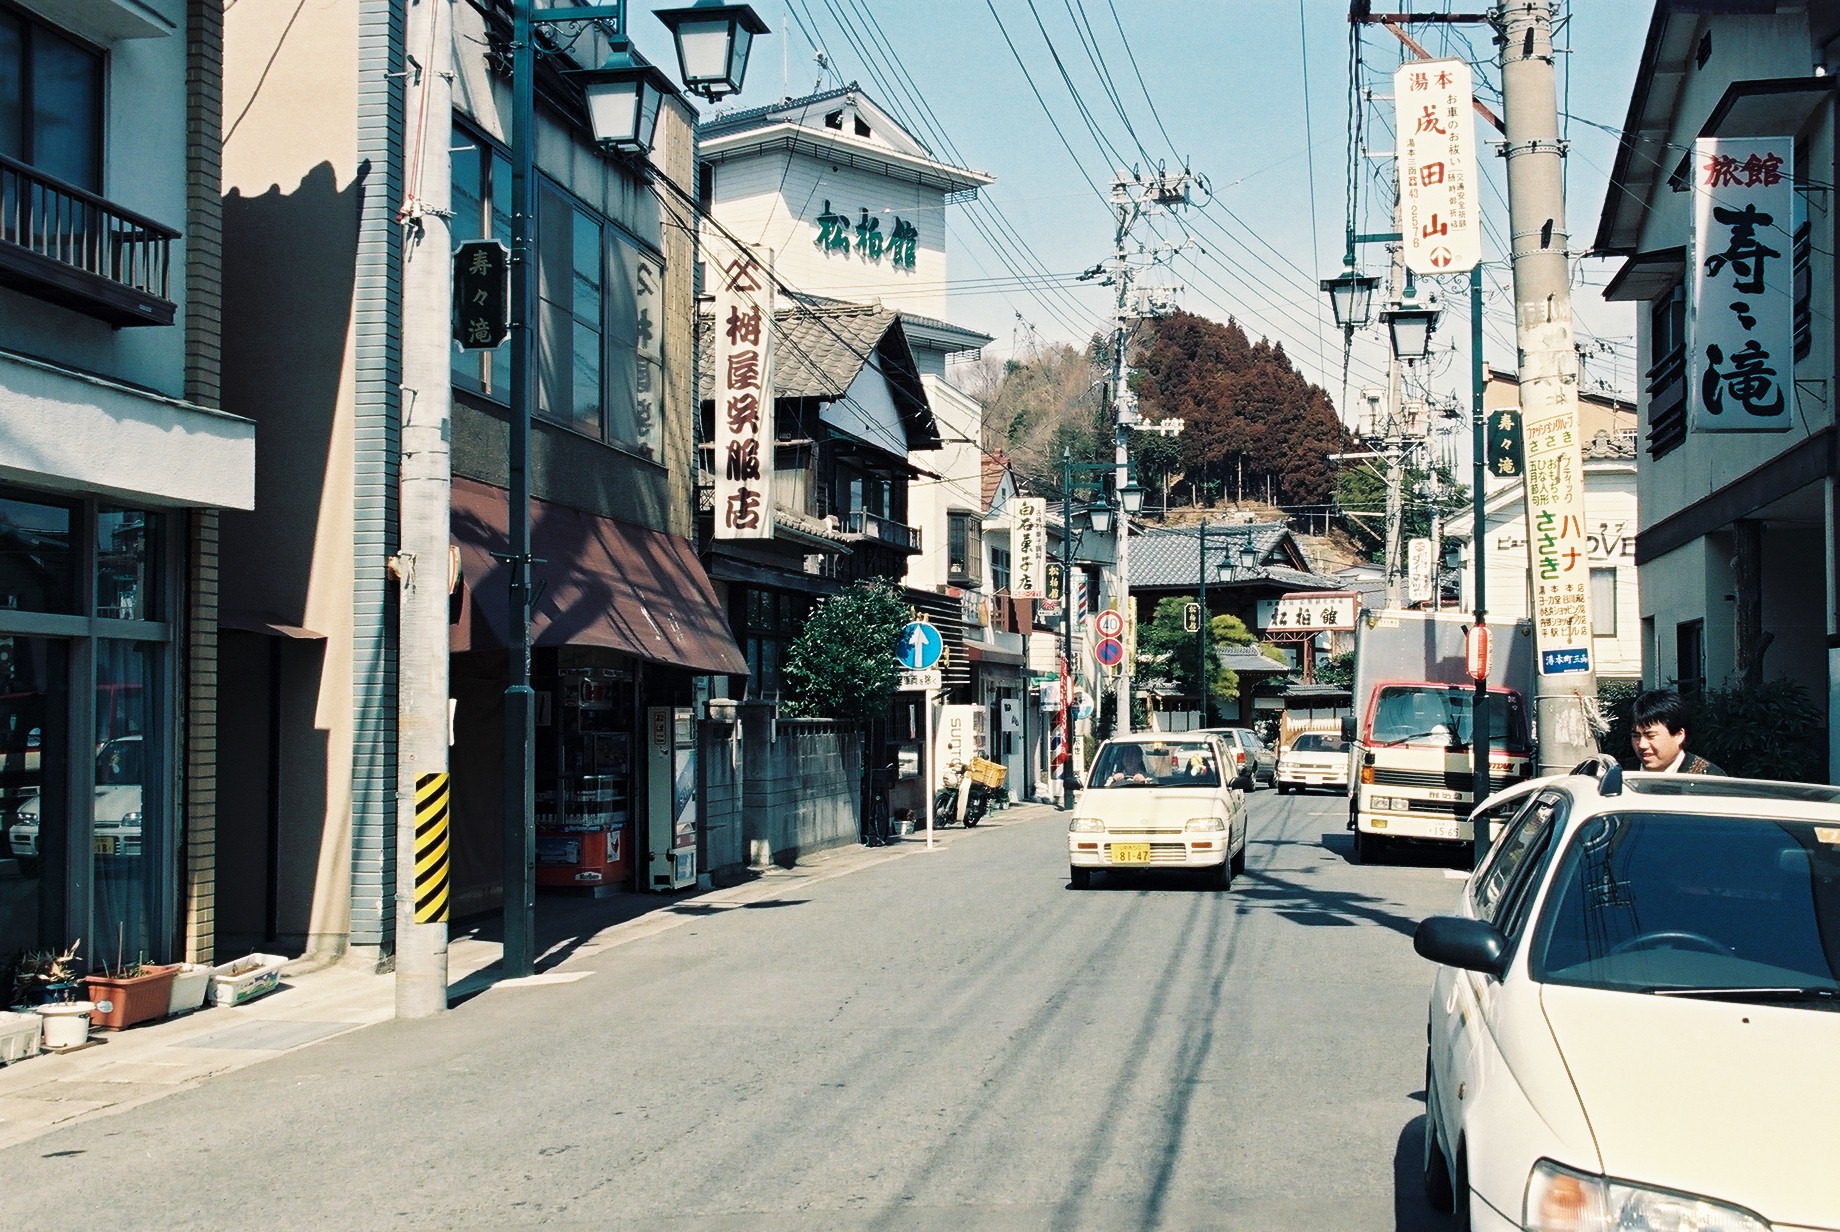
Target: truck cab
column 1410, row 739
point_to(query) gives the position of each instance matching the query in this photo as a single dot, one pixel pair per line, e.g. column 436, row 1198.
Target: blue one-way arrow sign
column 920, row 646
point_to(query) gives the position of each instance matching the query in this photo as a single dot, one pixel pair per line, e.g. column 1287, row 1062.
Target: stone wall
column 777, row 789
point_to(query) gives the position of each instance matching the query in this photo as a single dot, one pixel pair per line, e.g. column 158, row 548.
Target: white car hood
column 1123, row 806
column 1735, row 1102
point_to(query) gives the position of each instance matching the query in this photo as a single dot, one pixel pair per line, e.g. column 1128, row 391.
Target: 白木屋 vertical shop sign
column 743, row 396
column 1741, row 313
column 1029, row 544
column 1438, row 217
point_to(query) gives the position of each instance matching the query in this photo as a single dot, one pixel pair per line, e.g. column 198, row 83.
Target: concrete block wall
column 801, row 785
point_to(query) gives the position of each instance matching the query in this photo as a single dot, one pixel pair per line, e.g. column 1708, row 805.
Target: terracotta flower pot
column 122, row 1002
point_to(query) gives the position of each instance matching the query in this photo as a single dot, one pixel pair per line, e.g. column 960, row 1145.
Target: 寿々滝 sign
column 1741, row 314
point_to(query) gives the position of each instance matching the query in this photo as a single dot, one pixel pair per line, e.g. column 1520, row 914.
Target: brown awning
column 597, row 581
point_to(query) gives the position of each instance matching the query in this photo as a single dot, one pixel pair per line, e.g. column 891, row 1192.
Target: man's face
column 1657, row 746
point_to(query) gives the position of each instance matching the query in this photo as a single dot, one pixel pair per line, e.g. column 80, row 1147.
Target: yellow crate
column 987, row 773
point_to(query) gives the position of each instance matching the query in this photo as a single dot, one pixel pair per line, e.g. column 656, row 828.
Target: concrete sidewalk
column 314, row 1003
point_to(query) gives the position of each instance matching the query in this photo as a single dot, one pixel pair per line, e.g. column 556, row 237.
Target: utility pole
column 1565, row 689
column 1131, row 197
column 1201, row 632
column 421, row 561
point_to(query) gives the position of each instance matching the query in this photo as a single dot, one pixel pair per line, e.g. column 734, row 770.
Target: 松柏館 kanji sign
column 1741, row 316
column 743, row 394
column 1439, row 217
column 865, row 239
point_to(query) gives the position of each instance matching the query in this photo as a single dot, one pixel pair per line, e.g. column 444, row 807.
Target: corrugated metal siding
column 376, row 448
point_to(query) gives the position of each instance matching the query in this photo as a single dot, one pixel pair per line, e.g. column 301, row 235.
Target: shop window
column 1603, row 602
column 770, row 621
column 126, row 851
column 50, row 101
column 37, row 565
column 125, row 545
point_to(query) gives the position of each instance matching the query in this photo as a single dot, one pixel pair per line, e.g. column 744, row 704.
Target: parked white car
column 1314, row 759
column 1159, row 802
column 118, row 807
column 1637, row 1020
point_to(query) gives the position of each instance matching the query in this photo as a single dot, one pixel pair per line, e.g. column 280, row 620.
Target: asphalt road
column 953, row 1040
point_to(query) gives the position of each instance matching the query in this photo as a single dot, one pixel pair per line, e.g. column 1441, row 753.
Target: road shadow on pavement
column 1411, row 1213
column 1315, row 906
column 1403, row 853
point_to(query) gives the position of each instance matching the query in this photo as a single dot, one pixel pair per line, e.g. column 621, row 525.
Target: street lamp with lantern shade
column 624, row 97
column 1410, row 323
column 1351, row 298
column 713, row 40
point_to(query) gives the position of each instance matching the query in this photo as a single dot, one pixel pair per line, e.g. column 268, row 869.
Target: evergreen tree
column 842, row 664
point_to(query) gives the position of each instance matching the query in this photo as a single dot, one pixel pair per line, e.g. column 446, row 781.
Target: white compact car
column 1157, row 801
column 118, row 807
column 1314, row 759
column 1637, row 1020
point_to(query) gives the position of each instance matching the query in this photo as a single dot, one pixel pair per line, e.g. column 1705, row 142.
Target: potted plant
column 138, row 992
column 42, row 977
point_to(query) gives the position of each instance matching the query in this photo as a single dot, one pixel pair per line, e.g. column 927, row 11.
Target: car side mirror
column 1458, row 941
column 1348, row 727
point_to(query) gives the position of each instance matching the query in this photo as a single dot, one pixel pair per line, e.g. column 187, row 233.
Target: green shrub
column 842, row 664
column 1770, row 731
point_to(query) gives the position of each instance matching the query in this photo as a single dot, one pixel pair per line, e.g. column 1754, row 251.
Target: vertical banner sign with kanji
column 1559, row 553
column 482, row 294
column 1419, row 584
column 1029, row 555
column 1741, row 316
column 1439, row 216
column 743, row 395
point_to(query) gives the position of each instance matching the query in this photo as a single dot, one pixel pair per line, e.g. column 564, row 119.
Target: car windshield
column 1428, row 714
column 1172, row 763
column 1315, row 742
column 1699, row 906
column 119, row 764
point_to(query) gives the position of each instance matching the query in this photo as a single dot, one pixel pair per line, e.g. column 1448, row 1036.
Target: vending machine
column 671, row 797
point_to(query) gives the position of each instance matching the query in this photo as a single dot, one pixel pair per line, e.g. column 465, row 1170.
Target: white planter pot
column 66, row 1023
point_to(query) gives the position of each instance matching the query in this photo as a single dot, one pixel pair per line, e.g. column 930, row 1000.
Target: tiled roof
column 740, row 121
column 1171, row 558
column 819, row 351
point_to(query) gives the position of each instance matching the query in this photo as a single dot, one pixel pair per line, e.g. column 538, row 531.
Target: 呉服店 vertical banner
column 1029, row 544
column 743, row 395
column 1740, row 313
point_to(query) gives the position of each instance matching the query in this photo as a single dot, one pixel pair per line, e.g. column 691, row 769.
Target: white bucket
column 66, row 1023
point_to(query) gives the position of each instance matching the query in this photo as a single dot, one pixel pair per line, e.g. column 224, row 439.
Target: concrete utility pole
column 1132, row 196
column 421, row 562
column 1539, row 243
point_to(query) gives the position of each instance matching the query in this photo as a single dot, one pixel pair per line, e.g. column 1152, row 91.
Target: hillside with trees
column 1254, row 428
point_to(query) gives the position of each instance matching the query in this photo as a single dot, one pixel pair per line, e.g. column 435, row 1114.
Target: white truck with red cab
column 1410, row 773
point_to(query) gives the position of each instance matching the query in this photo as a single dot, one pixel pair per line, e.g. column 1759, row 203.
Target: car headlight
column 1085, row 825
column 1205, row 823
column 131, row 819
column 1561, row 1199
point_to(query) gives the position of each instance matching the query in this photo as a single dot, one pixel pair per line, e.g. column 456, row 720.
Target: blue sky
column 1227, row 79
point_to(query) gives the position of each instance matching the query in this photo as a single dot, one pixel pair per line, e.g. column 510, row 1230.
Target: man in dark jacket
column 1659, row 734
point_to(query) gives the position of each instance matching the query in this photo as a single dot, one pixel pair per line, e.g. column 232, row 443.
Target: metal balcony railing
column 72, row 247
column 874, row 526
column 1667, row 403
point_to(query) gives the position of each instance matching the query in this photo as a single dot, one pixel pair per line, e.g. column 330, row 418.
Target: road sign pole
column 926, row 705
